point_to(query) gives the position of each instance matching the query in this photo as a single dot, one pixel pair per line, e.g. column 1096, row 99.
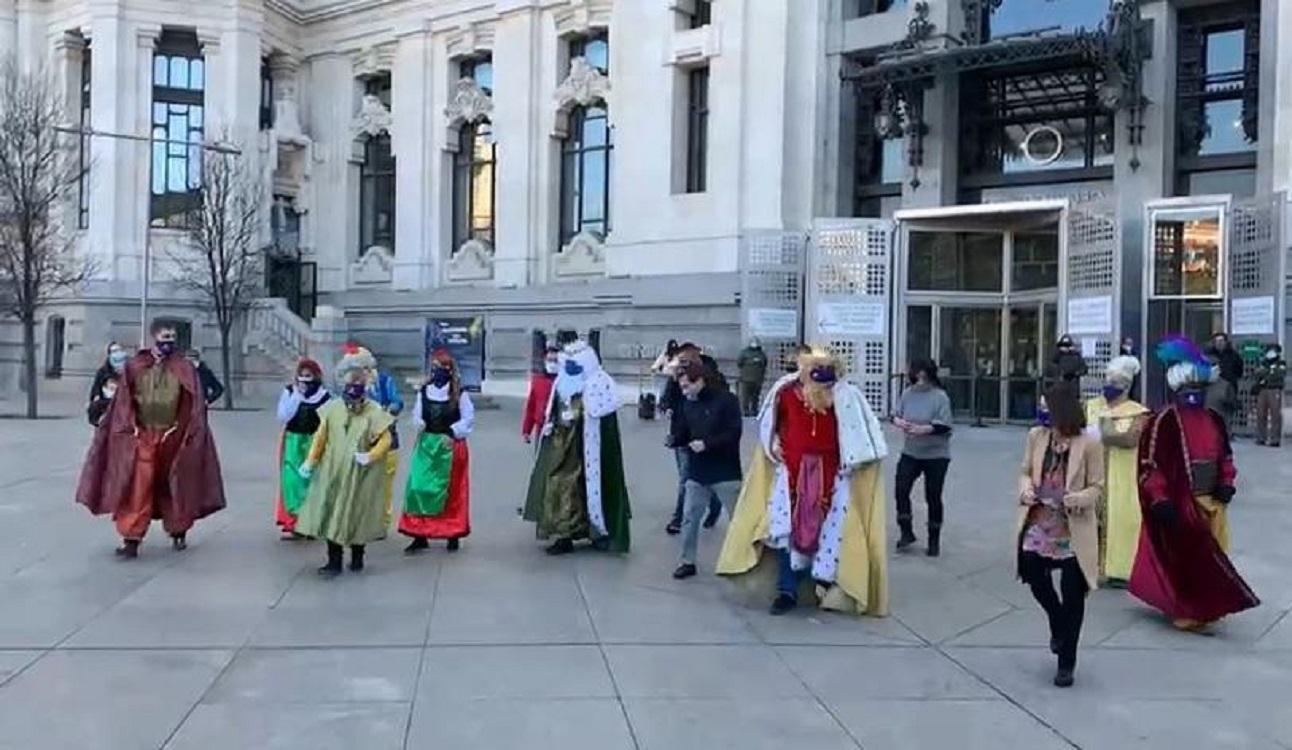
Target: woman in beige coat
column 1060, row 486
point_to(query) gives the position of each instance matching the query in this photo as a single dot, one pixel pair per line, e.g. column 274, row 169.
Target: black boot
column 179, row 542
column 418, row 544
column 356, row 558
column 333, row 567
column 128, row 550
column 908, row 534
column 561, row 547
column 455, row 544
column 935, row 541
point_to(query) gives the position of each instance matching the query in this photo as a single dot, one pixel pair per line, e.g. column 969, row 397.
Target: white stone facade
column 777, row 154
column 762, row 119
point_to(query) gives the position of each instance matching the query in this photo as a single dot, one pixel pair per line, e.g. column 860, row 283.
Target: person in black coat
column 670, row 403
column 1067, row 364
column 1230, row 365
column 707, row 425
column 212, row 388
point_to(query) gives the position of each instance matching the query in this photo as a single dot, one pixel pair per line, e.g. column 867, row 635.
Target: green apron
column 296, row 448
column 429, row 475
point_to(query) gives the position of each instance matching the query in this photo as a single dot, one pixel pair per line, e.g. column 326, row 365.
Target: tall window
column 266, row 95
column 1218, row 77
column 480, row 70
column 585, row 174
column 694, row 14
column 179, row 80
column 1009, row 17
column 1018, row 126
column 595, row 48
column 858, row 8
column 83, row 198
column 473, row 185
column 586, row 152
column 377, row 180
column 697, row 130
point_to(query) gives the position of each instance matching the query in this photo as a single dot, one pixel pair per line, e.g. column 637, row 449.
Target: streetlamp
column 145, row 274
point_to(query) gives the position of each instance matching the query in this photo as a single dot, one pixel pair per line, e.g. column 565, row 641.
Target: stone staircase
column 277, row 336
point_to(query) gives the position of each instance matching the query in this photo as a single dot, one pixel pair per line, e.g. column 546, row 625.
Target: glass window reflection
column 1022, row 16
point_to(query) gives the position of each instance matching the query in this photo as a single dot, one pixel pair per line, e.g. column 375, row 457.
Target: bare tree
column 39, row 171
column 222, row 260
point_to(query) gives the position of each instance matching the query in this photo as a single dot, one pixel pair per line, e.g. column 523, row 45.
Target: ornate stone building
column 601, row 164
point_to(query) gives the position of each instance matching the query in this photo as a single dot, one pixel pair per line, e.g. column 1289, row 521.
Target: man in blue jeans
column 708, row 427
column 671, row 404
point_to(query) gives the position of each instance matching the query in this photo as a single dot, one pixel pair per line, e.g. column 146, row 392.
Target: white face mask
column 109, row 390
column 552, row 367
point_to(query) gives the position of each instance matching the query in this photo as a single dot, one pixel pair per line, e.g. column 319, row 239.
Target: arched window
column 377, row 194
column 473, row 185
column 585, row 173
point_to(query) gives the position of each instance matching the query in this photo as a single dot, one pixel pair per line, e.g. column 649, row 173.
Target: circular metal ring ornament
column 1044, row 159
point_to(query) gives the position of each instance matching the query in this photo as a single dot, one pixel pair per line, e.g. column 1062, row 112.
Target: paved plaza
column 237, row 644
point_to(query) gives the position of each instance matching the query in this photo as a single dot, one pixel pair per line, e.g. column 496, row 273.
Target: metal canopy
column 904, row 65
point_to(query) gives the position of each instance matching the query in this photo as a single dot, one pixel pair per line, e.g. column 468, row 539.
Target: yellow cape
column 862, row 585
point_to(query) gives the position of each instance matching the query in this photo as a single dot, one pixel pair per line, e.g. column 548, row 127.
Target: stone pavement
column 236, row 644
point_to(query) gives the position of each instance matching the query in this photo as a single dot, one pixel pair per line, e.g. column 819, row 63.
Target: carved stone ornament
column 374, row 267
column 468, row 103
column 585, row 85
column 373, row 118
column 472, row 262
column 584, row 255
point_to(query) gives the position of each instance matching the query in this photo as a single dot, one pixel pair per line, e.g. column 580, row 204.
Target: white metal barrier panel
column 772, row 264
column 849, row 299
column 1091, row 287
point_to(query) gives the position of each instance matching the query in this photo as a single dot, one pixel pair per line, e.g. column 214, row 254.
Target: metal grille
column 1093, row 255
column 849, row 272
column 771, row 279
column 1257, row 268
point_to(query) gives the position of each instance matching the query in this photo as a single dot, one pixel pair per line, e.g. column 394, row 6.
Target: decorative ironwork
column 1119, row 46
column 919, row 29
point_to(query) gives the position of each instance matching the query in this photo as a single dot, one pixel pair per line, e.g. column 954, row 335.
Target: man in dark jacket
column 708, row 428
column 1067, row 364
column 1271, row 379
column 752, row 365
column 671, row 404
column 1230, row 364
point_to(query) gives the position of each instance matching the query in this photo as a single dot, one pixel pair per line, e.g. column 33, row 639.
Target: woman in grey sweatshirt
column 923, row 414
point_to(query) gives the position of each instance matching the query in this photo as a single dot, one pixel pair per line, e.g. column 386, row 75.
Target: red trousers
column 149, row 496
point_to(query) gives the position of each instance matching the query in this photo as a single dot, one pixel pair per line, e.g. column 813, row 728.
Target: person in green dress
column 347, row 471
column 437, row 499
column 577, row 488
column 298, row 408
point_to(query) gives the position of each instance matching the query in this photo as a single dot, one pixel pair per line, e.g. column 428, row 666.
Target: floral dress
column 1047, row 532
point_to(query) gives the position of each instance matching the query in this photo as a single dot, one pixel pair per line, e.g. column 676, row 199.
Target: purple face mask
column 1113, row 392
column 824, row 375
column 1043, row 417
column 354, row 391
column 1192, row 397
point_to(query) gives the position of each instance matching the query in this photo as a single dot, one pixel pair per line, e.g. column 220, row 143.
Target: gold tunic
column 157, row 393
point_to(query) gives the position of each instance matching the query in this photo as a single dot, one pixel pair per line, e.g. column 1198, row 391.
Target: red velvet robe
column 196, row 486
column 803, row 431
column 1180, row 568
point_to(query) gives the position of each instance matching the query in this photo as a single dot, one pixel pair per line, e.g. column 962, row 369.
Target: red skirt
column 455, row 521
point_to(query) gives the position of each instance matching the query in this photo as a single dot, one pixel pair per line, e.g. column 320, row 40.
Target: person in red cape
column 1186, row 482
column 153, row 455
column 540, row 393
column 437, row 498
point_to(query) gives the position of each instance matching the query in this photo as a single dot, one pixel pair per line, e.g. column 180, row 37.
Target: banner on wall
column 464, row 338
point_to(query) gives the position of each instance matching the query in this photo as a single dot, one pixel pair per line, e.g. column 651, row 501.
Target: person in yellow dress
column 1117, row 420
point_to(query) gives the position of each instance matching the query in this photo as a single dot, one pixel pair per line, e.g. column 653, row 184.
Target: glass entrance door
column 1197, row 319
column 1026, row 362
column 970, row 354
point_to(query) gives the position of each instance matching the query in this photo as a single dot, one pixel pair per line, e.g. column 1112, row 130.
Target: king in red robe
column 153, row 455
column 1186, row 482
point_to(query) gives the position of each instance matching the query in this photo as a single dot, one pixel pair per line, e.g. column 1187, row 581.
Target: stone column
column 411, row 97
column 31, row 34
column 137, row 119
column 1276, row 95
column 1155, row 156
column 331, row 110
column 516, row 104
